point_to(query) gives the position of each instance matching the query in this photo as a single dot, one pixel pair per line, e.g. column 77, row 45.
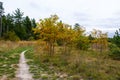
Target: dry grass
column 8, row 45
column 77, row 64
column 81, row 64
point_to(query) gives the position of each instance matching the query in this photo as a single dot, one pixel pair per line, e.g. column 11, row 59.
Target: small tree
column 100, row 41
column 65, row 35
column 80, row 39
column 47, row 30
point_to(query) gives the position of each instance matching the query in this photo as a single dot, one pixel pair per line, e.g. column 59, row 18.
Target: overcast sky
column 98, row 14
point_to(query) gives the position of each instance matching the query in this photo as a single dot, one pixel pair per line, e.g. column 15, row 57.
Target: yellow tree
column 94, row 34
column 100, row 40
column 65, row 34
column 81, row 40
column 47, row 29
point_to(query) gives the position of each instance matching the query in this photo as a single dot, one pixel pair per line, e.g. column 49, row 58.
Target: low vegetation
column 9, row 58
column 76, row 65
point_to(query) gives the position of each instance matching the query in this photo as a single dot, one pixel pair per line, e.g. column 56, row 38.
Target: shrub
column 11, row 36
column 82, row 43
column 31, row 38
column 114, row 52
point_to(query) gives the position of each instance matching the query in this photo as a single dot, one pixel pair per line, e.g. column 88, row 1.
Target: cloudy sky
column 98, row 14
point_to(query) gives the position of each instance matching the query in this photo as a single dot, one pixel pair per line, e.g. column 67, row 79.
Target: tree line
column 17, row 27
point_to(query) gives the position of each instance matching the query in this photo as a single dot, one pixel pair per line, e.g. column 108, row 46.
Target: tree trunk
column 53, row 49
column 65, row 48
column 50, row 49
column 0, row 27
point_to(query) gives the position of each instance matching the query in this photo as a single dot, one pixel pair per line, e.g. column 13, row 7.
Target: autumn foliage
column 52, row 31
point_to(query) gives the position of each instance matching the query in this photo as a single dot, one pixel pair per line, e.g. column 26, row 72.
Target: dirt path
column 23, row 71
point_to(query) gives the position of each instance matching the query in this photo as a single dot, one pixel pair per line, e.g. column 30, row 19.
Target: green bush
column 82, row 43
column 31, row 38
column 114, row 52
column 11, row 36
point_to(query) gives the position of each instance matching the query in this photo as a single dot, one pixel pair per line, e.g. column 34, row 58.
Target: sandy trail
column 23, row 71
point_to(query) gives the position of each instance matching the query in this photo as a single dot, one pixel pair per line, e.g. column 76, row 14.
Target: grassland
column 9, row 58
column 73, row 65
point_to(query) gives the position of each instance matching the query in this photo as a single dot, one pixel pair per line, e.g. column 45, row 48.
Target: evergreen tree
column 28, row 27
column 19, row 28
column 116, row 38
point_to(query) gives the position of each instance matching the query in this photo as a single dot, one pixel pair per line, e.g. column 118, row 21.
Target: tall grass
column 77, row 64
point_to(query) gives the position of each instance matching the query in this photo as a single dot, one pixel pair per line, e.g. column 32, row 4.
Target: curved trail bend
column 23, row 71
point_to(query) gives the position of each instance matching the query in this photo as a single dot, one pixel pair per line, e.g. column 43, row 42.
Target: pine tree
column 116, row 38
